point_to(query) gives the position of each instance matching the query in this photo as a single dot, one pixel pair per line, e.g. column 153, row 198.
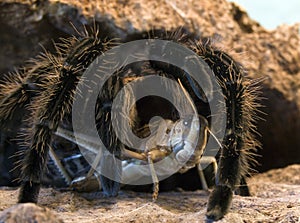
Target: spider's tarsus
column 110, row 188
column 219, row 202
column 243, row 189
column 29, row 192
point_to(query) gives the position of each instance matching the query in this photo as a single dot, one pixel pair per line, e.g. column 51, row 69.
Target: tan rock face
column 273, row 56
column 28, row 213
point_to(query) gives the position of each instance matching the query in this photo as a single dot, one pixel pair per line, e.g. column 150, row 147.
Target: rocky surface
column 28, row 213
column 275, row 198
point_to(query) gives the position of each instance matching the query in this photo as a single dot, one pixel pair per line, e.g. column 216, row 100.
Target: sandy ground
column 276, row 198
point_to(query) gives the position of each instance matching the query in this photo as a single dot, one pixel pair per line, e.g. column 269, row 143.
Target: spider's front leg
column 238, row 143
column 50, row 107
column 19, row 89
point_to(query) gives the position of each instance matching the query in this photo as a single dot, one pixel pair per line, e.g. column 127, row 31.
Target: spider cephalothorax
column 46, row 87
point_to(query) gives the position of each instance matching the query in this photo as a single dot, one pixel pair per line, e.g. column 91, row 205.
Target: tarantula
column 45, row 90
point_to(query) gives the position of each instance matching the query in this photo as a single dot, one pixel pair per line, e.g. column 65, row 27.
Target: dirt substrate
column 275, row 198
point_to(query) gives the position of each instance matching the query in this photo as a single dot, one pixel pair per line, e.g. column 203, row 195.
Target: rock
column 28, row 212
column 272, row 56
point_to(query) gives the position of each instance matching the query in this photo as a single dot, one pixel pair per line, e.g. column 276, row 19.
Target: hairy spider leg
column 17, row 89
column 238, row 144
column 50, row 108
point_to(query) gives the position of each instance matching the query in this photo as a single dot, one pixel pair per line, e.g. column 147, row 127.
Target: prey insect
column 44, row 90
column 168, row 137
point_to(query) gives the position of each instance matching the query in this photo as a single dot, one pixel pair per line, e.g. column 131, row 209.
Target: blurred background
column 272, row 13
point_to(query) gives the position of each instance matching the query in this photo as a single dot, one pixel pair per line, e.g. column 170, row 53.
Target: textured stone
column 27, row 213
